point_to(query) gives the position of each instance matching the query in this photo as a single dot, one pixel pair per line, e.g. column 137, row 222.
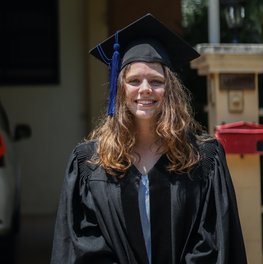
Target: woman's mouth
column 145, row 102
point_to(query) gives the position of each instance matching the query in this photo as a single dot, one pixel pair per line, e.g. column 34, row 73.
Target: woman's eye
column 133, row 81
column 157, row 82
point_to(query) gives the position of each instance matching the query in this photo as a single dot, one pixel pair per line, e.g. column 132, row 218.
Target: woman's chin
column 145, row 115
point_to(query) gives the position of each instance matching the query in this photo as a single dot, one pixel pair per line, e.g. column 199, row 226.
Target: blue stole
column 144, row 206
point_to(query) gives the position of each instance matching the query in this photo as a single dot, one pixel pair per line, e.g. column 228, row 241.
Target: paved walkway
column 35, row 240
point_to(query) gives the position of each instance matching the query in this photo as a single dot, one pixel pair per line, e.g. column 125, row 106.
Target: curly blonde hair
column 175, row 123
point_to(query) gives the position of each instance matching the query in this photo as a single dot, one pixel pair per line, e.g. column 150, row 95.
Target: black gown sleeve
column 77, row 235
column 218, row 237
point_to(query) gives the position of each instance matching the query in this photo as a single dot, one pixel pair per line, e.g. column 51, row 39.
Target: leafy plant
column 195, row 22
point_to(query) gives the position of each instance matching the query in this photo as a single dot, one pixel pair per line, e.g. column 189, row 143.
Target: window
column 29, row 42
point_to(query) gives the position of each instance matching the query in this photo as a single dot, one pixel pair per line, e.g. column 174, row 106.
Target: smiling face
column 144, row 85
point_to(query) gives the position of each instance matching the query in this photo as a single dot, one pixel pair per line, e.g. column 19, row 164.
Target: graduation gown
column 194, row 217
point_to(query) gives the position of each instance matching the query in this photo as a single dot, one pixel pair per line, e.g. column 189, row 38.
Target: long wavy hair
column 116, row 135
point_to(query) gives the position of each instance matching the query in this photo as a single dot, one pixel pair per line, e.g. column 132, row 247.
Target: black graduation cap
column 146, row 39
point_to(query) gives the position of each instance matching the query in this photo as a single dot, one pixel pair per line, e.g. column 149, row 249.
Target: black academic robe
column 194, row 217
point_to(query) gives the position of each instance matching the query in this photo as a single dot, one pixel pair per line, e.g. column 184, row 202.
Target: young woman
column 148, row 186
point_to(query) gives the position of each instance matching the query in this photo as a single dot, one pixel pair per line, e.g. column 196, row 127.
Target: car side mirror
column 22, row 131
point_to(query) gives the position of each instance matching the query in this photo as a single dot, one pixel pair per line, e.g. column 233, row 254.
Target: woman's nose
column 145, row 87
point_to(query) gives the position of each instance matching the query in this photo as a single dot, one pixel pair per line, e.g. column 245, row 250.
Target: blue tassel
column 114, row 71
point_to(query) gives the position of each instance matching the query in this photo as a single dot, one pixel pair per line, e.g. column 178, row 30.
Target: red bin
column 241, row 137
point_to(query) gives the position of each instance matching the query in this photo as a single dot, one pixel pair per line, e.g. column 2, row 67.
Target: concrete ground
column 34, row 243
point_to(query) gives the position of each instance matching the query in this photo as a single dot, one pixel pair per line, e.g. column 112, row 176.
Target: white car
column 9, row 185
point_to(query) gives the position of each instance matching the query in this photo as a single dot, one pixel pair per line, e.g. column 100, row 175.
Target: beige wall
column 55, row 113
column 96, row 74
column 245, row 172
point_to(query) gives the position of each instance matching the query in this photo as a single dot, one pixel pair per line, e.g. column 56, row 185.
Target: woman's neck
column 147, row 147
column 145, row 134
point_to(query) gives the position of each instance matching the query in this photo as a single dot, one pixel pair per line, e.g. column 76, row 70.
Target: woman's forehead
column 145, row 67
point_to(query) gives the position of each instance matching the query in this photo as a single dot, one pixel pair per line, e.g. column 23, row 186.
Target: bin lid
column 240, row 128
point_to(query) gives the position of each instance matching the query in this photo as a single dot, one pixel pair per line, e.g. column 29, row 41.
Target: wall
column 55, row 114
column 96, row 30
column 167, row 11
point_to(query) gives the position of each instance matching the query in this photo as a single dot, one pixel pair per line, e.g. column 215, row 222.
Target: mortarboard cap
column 146, row 39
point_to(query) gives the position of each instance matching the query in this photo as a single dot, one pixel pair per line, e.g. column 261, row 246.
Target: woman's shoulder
column 84, row 152
column 85, row 149
column 204, row 143
column 209, row 147
column 210, row 151
column 86, row 145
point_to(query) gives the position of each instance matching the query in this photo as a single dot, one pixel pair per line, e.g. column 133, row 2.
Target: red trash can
column 241, row 137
